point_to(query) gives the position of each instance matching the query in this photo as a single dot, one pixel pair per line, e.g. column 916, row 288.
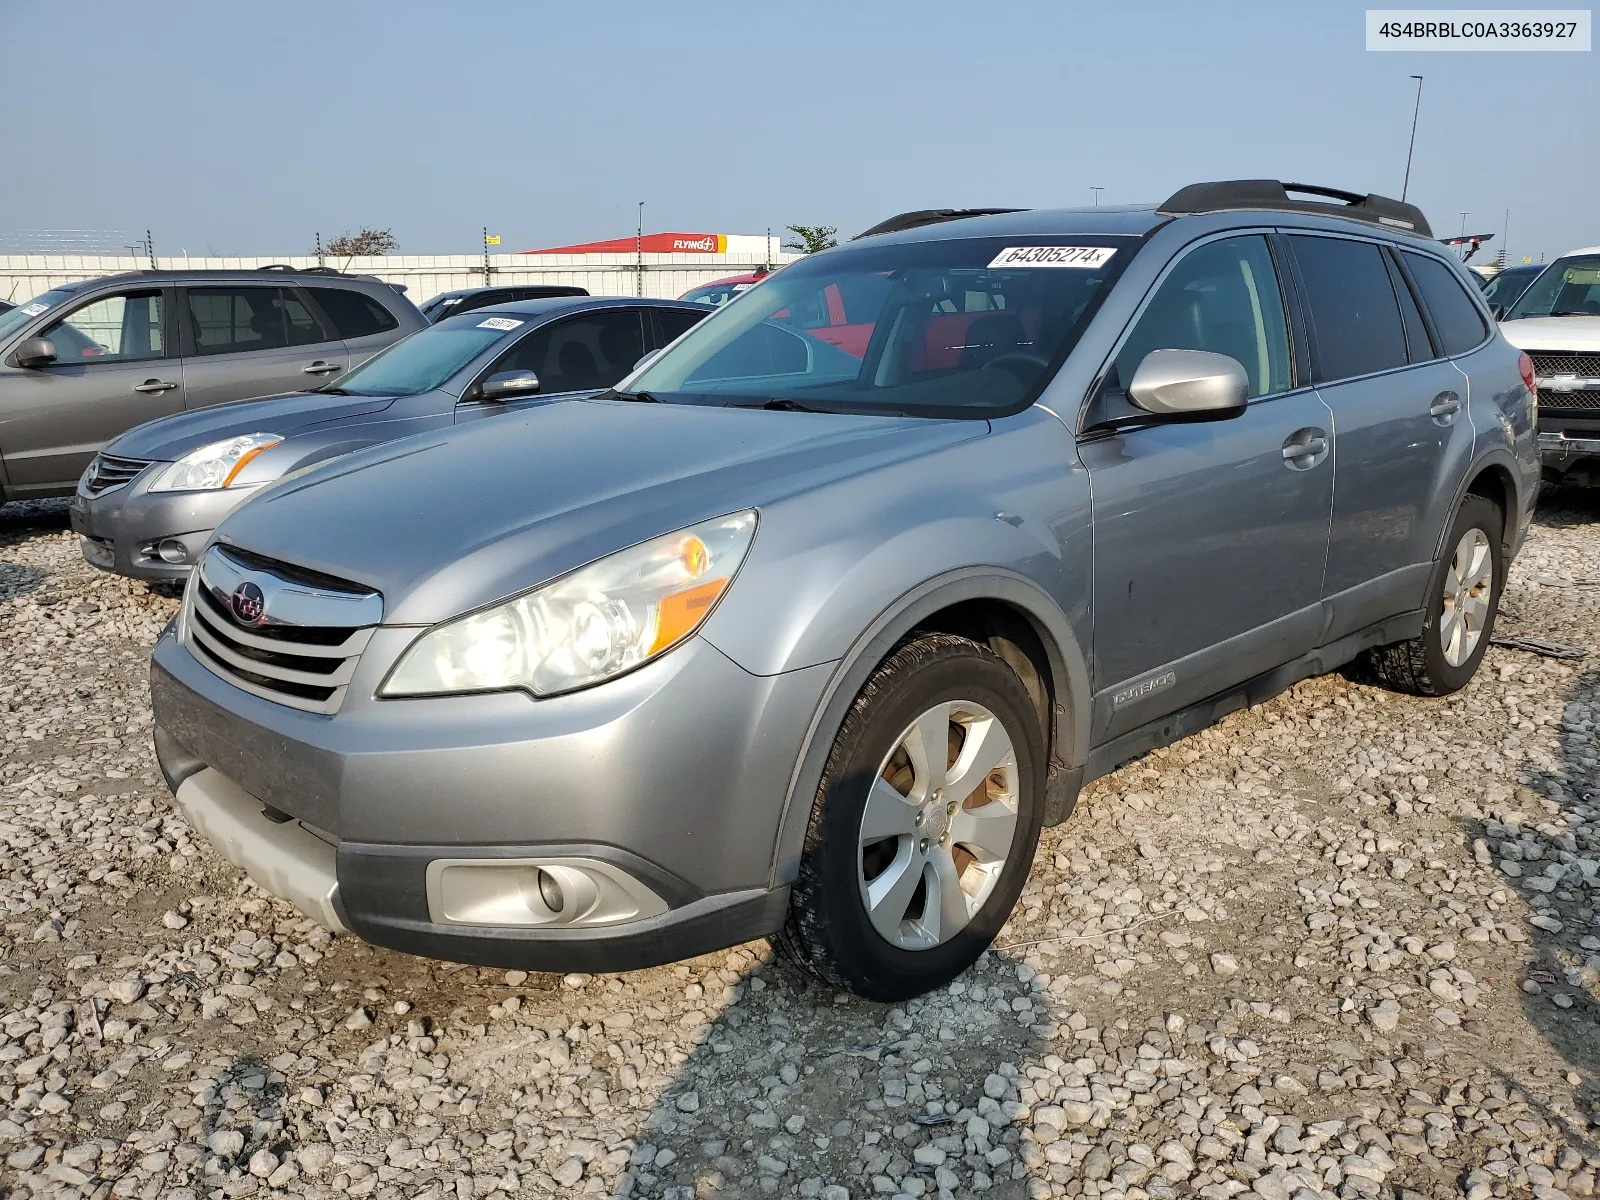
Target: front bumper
column 672, row 778
column 120, row 530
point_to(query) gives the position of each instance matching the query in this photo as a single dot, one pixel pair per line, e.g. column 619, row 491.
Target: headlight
column 214, row 466
column 586, row 627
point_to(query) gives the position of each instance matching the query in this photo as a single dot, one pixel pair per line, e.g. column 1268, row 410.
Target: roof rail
column 300, row 270
column 1234, row 194
column 928, row 216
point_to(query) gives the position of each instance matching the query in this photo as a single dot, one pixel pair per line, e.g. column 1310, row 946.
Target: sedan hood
column 442, row 524
column 1573, row 334
column 172, row 437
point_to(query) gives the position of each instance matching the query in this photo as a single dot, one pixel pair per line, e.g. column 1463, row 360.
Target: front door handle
column 1305, row 447
column 1445, row 406
column 321, row 368
column 154, row 385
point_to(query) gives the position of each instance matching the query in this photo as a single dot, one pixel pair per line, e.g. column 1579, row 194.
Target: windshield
column 961, row 328
column 429, row 357
column 1569, row 287
column 717, row 294
column 1505, row 287
column 14, row 319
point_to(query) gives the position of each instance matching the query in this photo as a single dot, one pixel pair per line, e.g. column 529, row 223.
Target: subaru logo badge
column 249, row 603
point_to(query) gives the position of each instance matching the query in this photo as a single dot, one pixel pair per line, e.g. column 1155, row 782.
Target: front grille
column 303, row 648
column 1578, row 392
column 109, row 471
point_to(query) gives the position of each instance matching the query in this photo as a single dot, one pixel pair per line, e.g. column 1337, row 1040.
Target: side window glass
column 303, row 327
column 234, row 320
column 355, row 314
column 1222, row 297
column 1418, row 344
column 118, row 328
column 1455, row 316
column 586, row 352
column 1353, row 307
column 675, row 323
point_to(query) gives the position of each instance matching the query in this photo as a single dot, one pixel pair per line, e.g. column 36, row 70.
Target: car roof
column 550, row 306
column 1581, row 250
column 309, row 275
column 495, row 287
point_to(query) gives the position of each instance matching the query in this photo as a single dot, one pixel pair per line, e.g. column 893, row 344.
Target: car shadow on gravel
column 1545, row 845
column 798, row 1087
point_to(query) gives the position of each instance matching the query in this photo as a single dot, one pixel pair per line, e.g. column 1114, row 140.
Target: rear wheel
column 924, row 825
column 1463, row 599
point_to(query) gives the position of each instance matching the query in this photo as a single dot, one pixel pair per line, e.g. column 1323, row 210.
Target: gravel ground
column 1344, row 944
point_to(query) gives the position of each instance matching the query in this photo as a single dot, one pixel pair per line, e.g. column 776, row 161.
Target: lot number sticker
column 498, row 323
column 33, row 310
column 1053, row 256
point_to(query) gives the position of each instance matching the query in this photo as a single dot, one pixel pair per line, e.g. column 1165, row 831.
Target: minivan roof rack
column 1234, row 194
column 928, row 216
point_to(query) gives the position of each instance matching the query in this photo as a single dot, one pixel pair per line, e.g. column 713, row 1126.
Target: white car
column 1557, row 323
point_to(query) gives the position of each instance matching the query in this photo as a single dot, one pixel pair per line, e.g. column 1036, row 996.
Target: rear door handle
column 321, row 368
column 1445, row 404
column 154, row 385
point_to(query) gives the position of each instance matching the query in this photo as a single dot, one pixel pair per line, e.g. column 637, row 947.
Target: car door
column 586, row 352
column 115, row 368
column 1209, row 536
column 1397, row 406
column 364, row 324
column 245, row 340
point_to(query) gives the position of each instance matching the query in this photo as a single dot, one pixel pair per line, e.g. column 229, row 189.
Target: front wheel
column 924, row 825
column 1463, row 599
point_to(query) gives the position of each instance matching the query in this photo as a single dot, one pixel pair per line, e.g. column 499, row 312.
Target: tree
column 811, row 238
column 367, row 241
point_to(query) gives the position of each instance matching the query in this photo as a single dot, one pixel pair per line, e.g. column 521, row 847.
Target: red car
column 719, row 291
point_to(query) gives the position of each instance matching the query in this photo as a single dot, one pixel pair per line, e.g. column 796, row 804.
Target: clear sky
column 245, row 129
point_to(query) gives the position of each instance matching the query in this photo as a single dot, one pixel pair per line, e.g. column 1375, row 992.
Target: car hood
column 1581, row 334
column 173, row 437
column 443, row 523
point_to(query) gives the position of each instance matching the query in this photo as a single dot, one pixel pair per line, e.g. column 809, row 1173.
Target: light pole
column 1464, row 217
column 1095, row 192
column 639, row 252
column 1406, row 184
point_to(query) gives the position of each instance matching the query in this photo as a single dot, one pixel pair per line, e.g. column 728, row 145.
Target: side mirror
column 1497, row 311
column 509, row 384
column 649, row 357
column 1190, row 383
column 36, row 352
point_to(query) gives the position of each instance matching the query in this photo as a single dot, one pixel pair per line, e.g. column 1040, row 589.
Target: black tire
column 827, row 931
column 1419, row 666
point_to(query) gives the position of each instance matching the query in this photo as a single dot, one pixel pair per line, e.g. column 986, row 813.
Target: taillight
column 1525, row 367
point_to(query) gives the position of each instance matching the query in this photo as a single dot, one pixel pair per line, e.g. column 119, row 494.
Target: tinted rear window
column 354, row 314
column 1353, row 307
column 1455, row 317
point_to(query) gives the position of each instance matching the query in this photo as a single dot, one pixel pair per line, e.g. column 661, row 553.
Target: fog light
column 173, row 551
column 532, row 892
column 550, row 892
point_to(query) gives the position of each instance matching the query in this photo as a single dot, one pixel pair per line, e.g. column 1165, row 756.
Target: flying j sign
column 651, row 243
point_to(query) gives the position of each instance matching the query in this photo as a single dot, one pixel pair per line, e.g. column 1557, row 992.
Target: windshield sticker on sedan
column 498, row 323
column 33, row 310
column 1053, row 256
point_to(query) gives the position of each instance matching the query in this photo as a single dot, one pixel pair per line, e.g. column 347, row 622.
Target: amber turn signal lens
column 680, row 614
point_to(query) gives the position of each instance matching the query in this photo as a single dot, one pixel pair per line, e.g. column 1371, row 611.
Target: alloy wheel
column 1468, row 587
column 938, row 825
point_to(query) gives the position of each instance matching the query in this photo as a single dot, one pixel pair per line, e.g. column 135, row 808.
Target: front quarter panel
column 827, row 562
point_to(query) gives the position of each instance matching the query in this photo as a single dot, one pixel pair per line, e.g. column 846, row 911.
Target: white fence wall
column 665, row 275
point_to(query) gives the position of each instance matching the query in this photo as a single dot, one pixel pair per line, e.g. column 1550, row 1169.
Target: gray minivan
column 85, row 361
column 808, row 626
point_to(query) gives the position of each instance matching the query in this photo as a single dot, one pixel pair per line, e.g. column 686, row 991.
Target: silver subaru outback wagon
column 808, row 626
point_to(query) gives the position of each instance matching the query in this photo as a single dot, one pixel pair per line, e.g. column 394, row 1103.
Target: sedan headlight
column 214, row 466
column 586, row 627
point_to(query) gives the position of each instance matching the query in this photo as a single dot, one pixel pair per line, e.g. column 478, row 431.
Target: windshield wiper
column 332, row 391
column 638, row 397
column 784, row 405
column 1569, row 312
